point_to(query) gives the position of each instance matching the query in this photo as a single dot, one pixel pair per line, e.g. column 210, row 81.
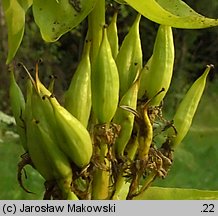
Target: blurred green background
column 196, row 159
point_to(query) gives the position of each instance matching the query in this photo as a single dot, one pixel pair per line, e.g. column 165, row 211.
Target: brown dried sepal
column 25, row 160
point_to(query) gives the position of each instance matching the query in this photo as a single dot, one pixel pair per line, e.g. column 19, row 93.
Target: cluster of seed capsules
column 104, row 135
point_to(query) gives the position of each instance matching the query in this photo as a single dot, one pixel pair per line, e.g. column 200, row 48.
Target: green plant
column 115, row 156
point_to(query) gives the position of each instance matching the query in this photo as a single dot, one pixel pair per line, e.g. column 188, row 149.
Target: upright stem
column 121, row 180
column 100, row 185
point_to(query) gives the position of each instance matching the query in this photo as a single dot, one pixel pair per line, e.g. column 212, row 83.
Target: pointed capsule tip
column 210, row 66
column 40, row 61
column 20, row 64
column 208, row 69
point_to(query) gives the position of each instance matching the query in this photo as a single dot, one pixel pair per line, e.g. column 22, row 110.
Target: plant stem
column 121, row 180
column 151, row 177
column 72, row 196
column 148, row 181
column 100, row 186
column 64, row 185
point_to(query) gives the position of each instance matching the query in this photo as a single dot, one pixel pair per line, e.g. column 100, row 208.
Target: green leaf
column 173, row 13
column 161, row 193
column 158, row 193
column 15, row 18
column 120, row 1
column 178, row 7
column 56, row 18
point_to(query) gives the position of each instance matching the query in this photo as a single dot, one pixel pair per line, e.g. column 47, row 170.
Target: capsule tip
column 210, row 66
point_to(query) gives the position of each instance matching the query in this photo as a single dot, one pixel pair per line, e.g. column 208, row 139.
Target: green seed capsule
column 187, row 108
column 125, row 118
column 43, row 146
column 37, row 111
column 96, row 20
column 29, row 91
column 113, row 36
column 78, row 96
column 160, row 70
column 35, row 150
column 41, row 108
column 129, row 57
column 105, row 83
column 57, row 160
column 38, row 156
column 44, row 149
column 143, row 82
column 18, row 108
column 74, row 139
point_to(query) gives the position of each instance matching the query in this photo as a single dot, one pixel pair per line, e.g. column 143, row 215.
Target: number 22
column 208, row 208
